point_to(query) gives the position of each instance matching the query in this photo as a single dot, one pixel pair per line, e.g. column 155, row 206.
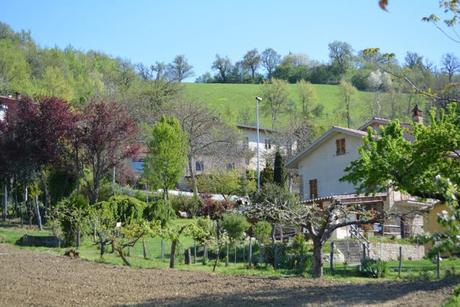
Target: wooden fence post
column 194, row 252
column 226, row 252
column 5, row 202
column 400, row 262
column 438, row 266
column 331, row 257
column 250, row 252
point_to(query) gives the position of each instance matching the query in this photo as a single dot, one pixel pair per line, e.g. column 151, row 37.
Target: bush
column 192, row 205
column 159, row 211
column 262, row 231
column 235, row 225
column 215, row 209
column 123, row 208
column 73, row 214
column 374, row 268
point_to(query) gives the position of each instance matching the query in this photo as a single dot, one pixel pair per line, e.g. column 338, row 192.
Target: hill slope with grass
column 236, row 102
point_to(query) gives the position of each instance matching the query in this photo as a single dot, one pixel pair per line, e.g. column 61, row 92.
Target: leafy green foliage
column 262, row 231
column 374, row 268
column 121, row 208
column 235, row 225
column 427, row 167
column 267, row 174
column 74, row 215
column 167, row 158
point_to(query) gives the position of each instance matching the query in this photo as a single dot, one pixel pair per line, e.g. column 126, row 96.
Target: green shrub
column 73, row 215
column 262, row 231
column 235, row 225
column 374, row 268
column 192, row 205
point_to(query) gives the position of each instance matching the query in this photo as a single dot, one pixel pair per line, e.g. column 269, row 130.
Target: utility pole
column 258, row 99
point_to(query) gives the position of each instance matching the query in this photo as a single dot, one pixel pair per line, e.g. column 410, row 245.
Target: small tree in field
column 120, row 221
column 106, row 136
column 234, row 225
column 347, row 91
column 319, row 221
column 168, row 155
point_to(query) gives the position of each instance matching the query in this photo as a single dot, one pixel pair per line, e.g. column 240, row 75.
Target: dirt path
column 32, row 278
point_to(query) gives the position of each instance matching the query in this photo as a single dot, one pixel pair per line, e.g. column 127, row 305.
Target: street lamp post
column 258, row 99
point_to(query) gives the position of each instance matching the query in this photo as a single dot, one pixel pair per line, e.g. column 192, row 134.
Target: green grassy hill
column 233, row 100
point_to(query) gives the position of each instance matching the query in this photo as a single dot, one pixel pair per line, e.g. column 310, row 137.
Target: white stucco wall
column 252, row 144
column 324, row 165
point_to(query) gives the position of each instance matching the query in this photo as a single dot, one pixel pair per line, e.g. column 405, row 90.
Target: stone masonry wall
column 389, row 251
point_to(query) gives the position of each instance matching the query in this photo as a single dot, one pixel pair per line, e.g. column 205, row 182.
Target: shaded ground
column 32, row 278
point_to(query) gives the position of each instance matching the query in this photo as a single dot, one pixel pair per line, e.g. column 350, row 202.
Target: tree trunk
column 78, row 237
column 275, row 249
column 217, row 258
column 172, row 257
column 120, row 253
column 5, row 201
column 317, row 259
column 39, row 217
column 102, row 247
column 144, row 249
column 205, row 254
column 194, row 253
column 45, row 189
column 192, row 175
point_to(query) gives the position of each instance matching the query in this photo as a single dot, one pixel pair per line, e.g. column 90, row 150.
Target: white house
column 267, row 148
column 321, row 165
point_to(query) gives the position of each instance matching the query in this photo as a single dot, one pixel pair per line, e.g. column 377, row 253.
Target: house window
column 199, row 166
column 340, row 147
column 268, row 144
column 313, row 188
column 230, row 166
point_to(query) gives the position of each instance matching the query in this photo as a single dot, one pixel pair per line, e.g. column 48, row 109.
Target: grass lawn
column 232, row 99
column 410, row 269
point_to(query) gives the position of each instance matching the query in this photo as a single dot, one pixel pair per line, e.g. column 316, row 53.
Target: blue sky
column 148, row 31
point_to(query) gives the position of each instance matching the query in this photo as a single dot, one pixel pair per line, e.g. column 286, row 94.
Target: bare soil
column 40, row 279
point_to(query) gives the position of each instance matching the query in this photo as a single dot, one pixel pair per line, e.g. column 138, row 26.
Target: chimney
column 417, row 116
column 17, row 96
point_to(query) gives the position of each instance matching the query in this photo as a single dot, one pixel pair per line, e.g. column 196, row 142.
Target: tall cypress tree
column 279, row 172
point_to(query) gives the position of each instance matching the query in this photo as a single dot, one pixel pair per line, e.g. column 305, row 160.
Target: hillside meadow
column 236, row 102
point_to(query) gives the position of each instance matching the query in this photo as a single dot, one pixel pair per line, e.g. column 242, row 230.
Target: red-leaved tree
column 106, row 135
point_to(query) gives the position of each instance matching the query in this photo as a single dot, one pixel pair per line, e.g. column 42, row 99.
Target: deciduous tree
column 180, row 69
column 251, row 61
column 270, row 59
column 106, row 136
column 275, row 98
column 167, row 157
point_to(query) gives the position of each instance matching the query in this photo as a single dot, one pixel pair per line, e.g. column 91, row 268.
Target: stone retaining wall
column 390, row 251
column 47, row 241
